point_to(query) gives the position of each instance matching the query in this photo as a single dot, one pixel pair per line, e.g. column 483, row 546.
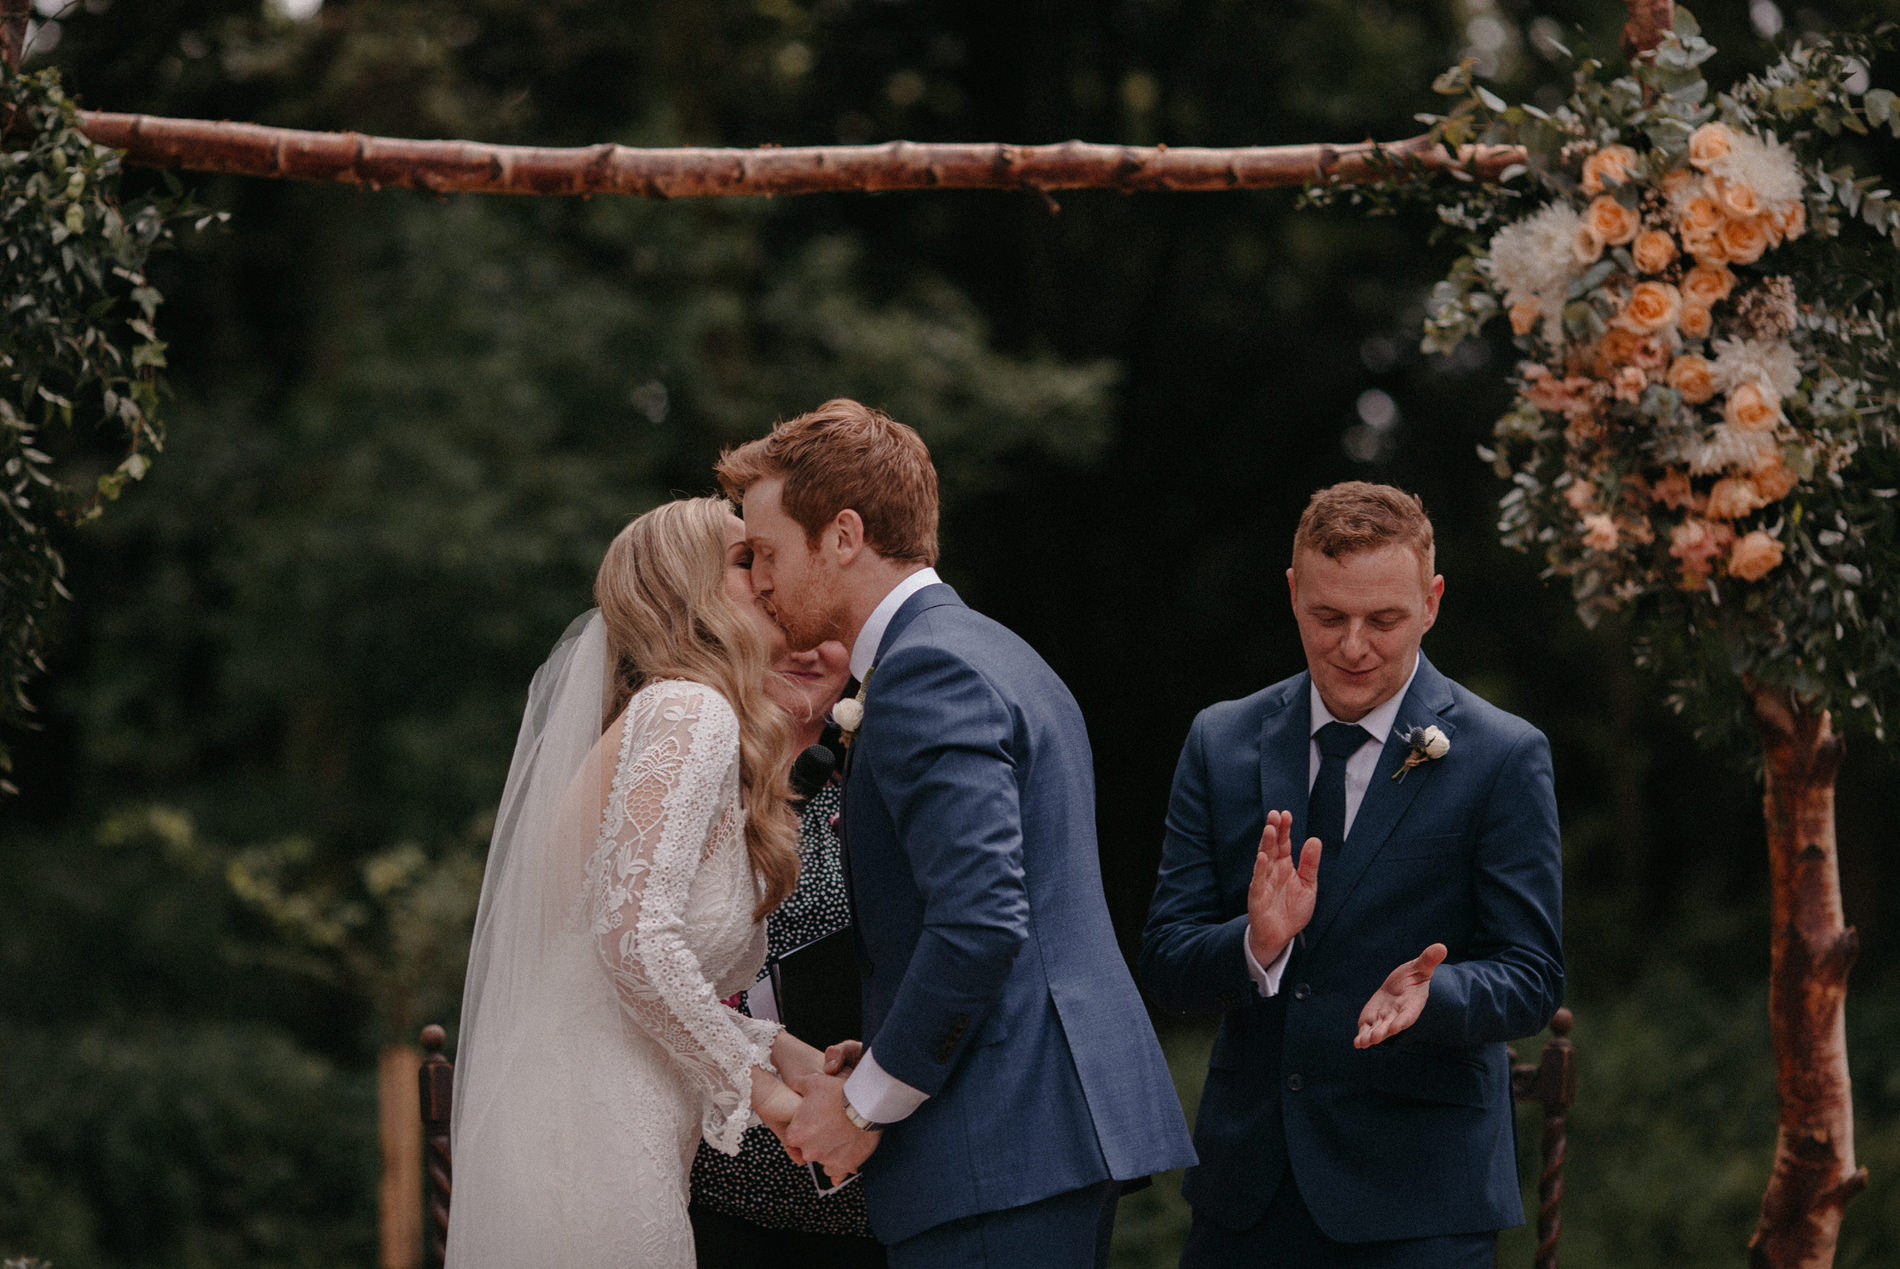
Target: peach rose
column 1629, row 384
column 1710, row 144
column 1652, row 352
column 1696, row 321
column 1736, row 198
column 1732, row 498
column 1524, row 315
column 1792, row 220
column 1653, row 250
column 1707, row 249
column 1752, row 407
column 1690, row 375
column 1652, row 307
column 1700, row 218
column 1610, row 165
column 1774, row 480
column 1676, row 182
column 1696, row 543
column 1673, row 490
column 1614, row 351
column 1599, row 532
column 1743, row 241
column 1610, row 221
column 1708, row 284
column 1754, row 557
column 1586, row 247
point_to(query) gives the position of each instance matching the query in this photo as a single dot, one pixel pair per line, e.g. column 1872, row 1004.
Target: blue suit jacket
column 992, row 980
column 1414, row 1137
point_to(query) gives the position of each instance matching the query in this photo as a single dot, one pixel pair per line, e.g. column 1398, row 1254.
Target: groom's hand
column 1280, row 900
column 820, row 1133
column 1397, row 1004
column 842, row 1058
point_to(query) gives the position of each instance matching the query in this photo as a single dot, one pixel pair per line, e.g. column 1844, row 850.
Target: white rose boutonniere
column 848, row 714
column 1428, row 744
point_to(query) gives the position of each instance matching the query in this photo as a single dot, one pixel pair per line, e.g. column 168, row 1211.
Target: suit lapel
column 1286, row 731
column 1386, row 799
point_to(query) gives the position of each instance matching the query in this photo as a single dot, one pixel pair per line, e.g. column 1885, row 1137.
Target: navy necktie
column 1326, row 805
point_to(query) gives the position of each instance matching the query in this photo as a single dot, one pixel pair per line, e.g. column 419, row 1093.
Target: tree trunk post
column 399, row 1205
column 1811, row 950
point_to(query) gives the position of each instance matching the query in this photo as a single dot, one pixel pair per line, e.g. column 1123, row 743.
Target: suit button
column 1302, row 991
column 1295, row 1083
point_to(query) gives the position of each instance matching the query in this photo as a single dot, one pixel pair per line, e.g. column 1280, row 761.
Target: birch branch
column 468, row 167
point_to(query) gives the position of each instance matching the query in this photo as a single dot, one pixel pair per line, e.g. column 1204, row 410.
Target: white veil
column 530, row 953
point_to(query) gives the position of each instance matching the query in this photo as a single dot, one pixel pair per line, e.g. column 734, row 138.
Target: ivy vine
column 79, row 357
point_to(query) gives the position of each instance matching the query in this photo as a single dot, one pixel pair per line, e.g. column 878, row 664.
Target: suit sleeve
column 946, row 769
column 1193, row 956
column 1509, row 978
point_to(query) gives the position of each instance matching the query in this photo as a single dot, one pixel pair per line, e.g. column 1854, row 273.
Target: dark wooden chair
column 1549, row 1082
column 436, row 1083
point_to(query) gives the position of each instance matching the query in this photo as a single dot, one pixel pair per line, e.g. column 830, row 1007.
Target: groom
column 1357, row 1110
column 1010, row 1079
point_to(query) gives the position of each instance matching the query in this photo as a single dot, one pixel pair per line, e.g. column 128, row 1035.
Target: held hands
column 842, row 1058
column 821, row 1134
column 1280, row 898
column 1397, row 1004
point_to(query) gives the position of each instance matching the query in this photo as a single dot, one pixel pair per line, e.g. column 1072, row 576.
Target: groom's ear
column 845, row 535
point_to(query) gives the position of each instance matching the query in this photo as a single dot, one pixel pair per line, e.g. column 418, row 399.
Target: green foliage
column 77, row 349
column 1743, row 549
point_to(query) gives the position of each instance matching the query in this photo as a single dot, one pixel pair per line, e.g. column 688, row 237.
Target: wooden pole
column 469, row 167
column 399, row 1198
column 1811, row 950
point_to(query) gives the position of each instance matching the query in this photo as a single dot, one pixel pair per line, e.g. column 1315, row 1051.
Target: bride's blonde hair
column 662, row 594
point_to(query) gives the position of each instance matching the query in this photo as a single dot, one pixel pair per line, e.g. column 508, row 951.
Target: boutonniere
column 1427, row 744
column 848, row 714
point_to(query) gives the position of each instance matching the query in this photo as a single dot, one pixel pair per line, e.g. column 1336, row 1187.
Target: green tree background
column 401, row 431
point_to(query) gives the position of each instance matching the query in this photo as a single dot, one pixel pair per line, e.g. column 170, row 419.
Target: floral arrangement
column 1704, row 435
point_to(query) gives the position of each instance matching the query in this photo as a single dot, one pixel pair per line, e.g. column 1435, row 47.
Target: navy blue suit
column 992, row 979
column 1413, row 1138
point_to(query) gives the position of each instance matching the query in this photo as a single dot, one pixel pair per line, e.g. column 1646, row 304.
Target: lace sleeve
column 675, row 782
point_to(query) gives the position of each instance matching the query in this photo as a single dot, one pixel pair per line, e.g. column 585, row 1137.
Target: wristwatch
column 858, row 1121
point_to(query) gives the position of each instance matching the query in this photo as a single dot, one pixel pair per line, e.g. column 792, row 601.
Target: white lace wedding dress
column 595, row 1052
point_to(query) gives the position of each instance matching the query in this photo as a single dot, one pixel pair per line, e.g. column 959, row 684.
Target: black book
column 816, row 986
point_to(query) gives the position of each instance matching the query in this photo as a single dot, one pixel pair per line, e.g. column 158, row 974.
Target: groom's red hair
column 846, row 454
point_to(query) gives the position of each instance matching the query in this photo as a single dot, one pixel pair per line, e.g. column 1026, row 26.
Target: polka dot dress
column 761, row 1184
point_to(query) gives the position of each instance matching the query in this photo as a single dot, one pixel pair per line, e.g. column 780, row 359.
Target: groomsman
column 1009, row 1080
column 1361, row 871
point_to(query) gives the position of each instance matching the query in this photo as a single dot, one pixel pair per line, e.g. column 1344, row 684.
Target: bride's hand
column 776, row 1104
column 794, row 1058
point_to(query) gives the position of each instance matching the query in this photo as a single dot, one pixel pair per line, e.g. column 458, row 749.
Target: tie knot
column 1341, row 740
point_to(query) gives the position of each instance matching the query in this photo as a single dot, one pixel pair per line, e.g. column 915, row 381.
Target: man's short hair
column 844, row 454
column 1356, row 515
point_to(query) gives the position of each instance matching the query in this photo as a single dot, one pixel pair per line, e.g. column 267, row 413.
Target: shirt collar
column 864, row 651
column 1379, row 721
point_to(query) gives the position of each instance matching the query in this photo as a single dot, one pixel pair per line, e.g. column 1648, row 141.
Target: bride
column 641, row 839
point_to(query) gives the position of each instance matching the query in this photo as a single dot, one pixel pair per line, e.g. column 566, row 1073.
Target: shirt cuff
column 1267, row 980
column 878, row 1095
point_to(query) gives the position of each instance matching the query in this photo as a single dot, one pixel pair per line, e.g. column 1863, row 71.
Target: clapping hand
column 1280, row 898
column 1397, row 1004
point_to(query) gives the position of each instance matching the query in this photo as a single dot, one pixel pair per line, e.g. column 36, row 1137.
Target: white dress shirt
column 872, row 1091
column 1359, row 771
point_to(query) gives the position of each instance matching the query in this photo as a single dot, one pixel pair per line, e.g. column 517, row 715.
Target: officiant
column 760, row 1208
column 1357, row 1110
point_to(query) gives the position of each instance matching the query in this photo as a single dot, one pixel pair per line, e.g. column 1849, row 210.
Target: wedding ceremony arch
column 1794, row 691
